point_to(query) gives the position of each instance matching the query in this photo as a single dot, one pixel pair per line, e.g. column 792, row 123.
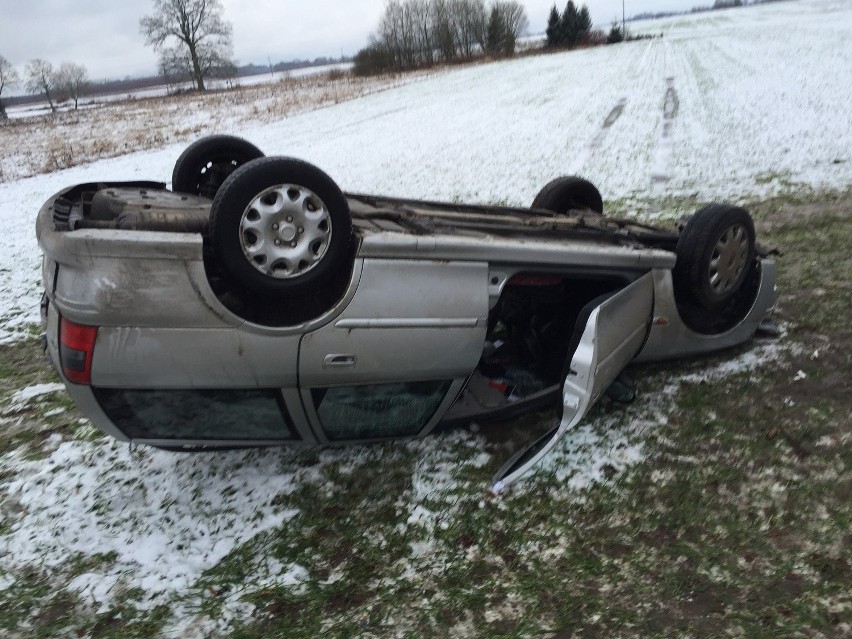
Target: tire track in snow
column 636, row 73
column 597, row 140
column 663, row 153
column 644, row 61
column 661, row 164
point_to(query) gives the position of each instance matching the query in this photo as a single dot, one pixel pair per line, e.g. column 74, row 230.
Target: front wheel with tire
column 280, row 226
column 568, row 193
column 715, row 253
column 206, row 163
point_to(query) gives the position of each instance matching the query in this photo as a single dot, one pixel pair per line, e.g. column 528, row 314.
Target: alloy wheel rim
column 285, row 231
column 729, row 259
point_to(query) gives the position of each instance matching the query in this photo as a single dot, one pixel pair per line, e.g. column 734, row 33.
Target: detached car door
column 613, row 334
column 393, row 362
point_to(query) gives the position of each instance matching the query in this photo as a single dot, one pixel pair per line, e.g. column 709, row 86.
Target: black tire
column 715, row 253
column 568, row 193
column 298, row 243
column 203, row 166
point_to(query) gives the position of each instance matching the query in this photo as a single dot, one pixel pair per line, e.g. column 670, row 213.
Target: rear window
column 255, row 414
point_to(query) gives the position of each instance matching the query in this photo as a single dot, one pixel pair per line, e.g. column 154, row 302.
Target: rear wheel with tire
column 280, row 227
column 568, row 193
column 203, row 166
column 715, row 253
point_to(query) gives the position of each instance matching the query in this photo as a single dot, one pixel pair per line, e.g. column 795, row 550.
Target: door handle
column 338, row 360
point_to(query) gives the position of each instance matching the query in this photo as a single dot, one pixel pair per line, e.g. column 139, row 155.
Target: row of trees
column 191, row 36
column 570, row 28
column 418, row 33
column 68, row 82
column 574, row 27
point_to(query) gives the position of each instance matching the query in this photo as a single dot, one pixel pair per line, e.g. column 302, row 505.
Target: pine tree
column 584, row 23
column 568, row 25
column 553, row 28
column 616, row 35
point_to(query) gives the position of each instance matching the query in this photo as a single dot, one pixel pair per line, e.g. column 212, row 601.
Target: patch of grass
column 127, row 622
column 34, row 608
column 81, row 564
column 28, row 427
column 23, row 363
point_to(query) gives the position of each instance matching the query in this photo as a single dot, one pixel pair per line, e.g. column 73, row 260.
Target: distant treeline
column 421, row 33
column 719, row 4
column 129, row 85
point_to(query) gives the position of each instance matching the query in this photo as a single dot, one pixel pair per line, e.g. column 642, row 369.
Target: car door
column 393, row 362
column 614, row 333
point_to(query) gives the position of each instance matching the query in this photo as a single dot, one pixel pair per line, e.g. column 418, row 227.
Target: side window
column 256, row 414
column 378, row 410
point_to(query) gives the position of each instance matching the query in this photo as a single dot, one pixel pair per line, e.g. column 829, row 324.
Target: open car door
column 611, row 337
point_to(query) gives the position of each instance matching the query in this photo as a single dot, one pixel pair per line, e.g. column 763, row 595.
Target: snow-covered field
column 35, row 145
column 87, row 102
column 724, row 106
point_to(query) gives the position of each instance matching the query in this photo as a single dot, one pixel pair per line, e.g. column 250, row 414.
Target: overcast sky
column 103, row 35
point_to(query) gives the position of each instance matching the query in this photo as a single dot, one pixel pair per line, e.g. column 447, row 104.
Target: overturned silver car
column 255, row 304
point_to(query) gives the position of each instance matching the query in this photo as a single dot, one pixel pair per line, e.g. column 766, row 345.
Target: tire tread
column 561, row 193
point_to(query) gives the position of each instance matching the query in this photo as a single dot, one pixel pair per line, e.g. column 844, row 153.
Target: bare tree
column 8, row 77
column 41, row 78
column 73, row 79
column 421, row 14
column 175, row 69
column 392, row 33
column 203, row 36
column 444, row 29
column 471, row 22
column 515, row 22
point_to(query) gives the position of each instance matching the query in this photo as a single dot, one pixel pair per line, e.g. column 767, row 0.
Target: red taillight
column 76, row 346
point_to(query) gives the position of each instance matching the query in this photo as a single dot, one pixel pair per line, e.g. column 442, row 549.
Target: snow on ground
column 21, row 397
column 168, row 518
column 757, row 103
column 741, row 103
column 35, row 145
column 165, row 519
column 606, row 444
